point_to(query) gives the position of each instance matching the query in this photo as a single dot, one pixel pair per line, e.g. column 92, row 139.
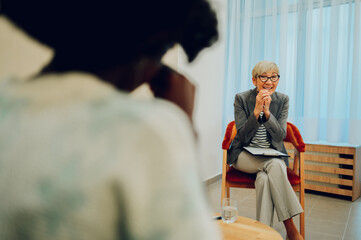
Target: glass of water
column 229, row 210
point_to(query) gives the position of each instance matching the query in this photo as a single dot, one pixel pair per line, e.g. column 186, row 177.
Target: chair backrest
column 293, row 136
column 230, row 134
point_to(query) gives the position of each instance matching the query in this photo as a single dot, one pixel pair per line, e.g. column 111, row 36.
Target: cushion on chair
column 294, row 136
column 234, row 175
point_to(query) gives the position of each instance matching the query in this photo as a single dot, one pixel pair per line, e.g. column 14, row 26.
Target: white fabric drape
column 316, row 44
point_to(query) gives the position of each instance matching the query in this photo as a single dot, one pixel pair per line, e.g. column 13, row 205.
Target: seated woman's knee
column 261, row 179
column 276, row 164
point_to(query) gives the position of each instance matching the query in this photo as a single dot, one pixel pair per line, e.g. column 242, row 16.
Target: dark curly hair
column 97, row 34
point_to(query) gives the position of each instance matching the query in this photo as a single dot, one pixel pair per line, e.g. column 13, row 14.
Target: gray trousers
column 273, row 190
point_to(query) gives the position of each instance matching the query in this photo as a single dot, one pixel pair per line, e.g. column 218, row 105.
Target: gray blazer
column 247, row 124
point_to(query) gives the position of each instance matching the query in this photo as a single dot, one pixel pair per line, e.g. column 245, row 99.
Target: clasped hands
column 263, row 101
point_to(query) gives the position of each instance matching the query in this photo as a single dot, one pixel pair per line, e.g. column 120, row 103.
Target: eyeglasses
column 272, row 78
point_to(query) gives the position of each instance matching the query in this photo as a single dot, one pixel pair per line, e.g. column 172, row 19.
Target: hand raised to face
column 267, row 102
column 174, row 87
column 263, row 101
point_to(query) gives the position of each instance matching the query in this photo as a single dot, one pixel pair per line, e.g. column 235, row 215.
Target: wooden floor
column 327, row 218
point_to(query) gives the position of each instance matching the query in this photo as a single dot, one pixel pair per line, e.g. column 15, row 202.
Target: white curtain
column 316, row 44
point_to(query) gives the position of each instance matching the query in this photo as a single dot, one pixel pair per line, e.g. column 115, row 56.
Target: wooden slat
column 317, row 158
column 330, row 149
column 329, row 189
column 288, row 145
column 328, row 169
column 324, row 179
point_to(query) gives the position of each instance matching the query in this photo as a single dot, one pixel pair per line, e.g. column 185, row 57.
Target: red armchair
column 237, row 179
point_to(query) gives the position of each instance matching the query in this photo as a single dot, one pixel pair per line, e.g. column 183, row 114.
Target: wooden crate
column 332, row 169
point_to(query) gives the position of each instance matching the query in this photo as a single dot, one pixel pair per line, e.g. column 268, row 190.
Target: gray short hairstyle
column 264, row 66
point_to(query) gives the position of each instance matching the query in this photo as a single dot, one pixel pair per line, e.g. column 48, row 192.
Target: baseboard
column 213, row 179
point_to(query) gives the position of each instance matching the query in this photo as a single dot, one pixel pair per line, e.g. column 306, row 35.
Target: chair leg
column 223, row 189
column 225, row 192
column 302, row 225
column 302, row 215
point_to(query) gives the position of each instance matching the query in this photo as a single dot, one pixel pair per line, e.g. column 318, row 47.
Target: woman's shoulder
column 281, row 96
column 246, row 94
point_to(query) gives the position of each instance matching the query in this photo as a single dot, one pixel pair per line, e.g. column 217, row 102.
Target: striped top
column 260, row 139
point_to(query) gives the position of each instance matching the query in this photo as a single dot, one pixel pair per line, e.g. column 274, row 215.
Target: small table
column 247, row 229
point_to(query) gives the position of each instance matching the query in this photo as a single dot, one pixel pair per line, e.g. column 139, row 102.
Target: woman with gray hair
column 261, row 122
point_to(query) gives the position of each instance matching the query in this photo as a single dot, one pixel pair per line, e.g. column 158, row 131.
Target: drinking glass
column 229, row 210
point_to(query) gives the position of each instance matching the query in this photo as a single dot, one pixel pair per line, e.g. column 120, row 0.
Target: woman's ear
column 254, row 80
